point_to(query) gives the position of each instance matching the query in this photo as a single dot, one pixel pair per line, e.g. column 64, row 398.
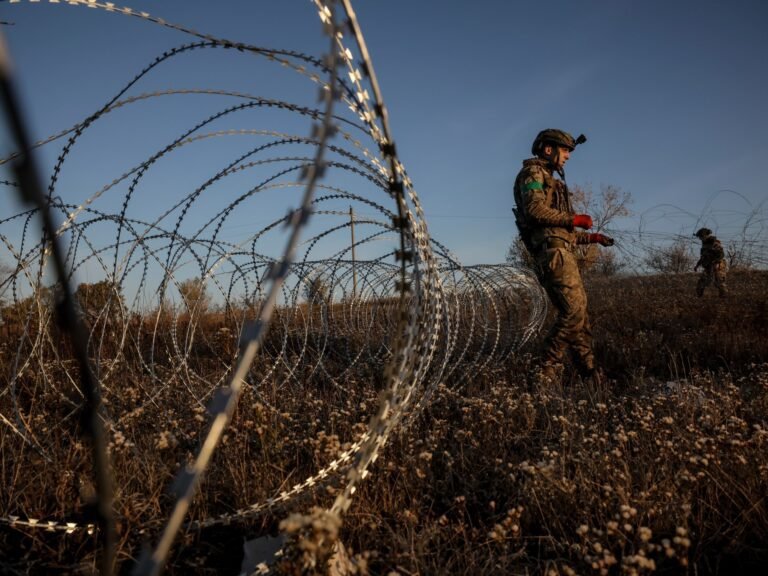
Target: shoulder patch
column 533, row 185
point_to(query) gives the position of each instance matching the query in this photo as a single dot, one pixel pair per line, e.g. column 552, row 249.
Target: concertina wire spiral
column 291, row 300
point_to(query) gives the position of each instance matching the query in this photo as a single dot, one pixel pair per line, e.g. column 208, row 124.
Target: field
column 664, row 469
column 292, row 373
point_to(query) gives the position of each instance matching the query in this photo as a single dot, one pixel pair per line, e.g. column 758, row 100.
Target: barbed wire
column 167, row 274
column 212, row 284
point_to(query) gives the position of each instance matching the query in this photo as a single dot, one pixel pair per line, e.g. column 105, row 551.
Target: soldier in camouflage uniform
column 712, row 260
column 547, row 225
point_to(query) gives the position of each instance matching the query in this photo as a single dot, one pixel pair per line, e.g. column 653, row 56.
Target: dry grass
column 665, row 470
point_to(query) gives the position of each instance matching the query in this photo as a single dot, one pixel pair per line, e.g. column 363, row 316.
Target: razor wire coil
column 188, row 290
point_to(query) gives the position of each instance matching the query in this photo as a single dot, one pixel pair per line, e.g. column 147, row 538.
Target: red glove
column 601, row 239
column 583, row 221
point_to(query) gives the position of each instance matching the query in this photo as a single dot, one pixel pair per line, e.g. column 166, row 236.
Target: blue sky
column 671, row 95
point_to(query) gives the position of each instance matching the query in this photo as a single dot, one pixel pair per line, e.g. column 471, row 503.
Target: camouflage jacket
column 543, row 206
column 711, row 252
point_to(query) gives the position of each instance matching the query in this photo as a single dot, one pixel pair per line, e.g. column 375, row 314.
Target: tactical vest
column 557, row 197
column 711, row 251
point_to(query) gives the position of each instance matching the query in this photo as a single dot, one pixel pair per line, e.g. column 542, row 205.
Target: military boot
column 595, row 376
column 548, row 377
column 595, row 385
column 550, row 371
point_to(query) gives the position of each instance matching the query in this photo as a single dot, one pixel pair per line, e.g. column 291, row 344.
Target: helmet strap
column 552, row 155
column 552, row 159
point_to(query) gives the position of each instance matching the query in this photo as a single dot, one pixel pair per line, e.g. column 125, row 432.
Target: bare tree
column 673, row 259
column 740, row 255
column 316, row 289
column 518, row 255
column 96, row 298
column 603, row 262
column 610, row 203
column 5, row 282
column 194, row 294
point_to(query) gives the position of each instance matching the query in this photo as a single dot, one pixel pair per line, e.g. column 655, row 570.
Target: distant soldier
column 712, row 260
column 547, row 222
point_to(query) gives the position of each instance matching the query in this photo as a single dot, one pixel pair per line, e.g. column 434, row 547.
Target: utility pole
column 354, row 270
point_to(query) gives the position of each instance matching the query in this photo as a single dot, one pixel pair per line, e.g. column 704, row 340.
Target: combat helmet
column 556, row 137
column 703, row 233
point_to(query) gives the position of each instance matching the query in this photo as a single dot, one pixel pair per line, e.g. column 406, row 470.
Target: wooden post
column 354, row 270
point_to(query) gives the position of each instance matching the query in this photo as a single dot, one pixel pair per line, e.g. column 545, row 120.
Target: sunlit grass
column 664, row 470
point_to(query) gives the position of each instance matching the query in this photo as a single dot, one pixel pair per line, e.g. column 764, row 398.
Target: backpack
column 717, row 251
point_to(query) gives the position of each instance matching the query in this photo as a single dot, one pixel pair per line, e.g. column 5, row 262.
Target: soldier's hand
column 601, row 239
column 582, row 221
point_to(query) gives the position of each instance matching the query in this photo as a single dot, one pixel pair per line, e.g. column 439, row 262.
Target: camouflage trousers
column 559, row 275
column 716, row 273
